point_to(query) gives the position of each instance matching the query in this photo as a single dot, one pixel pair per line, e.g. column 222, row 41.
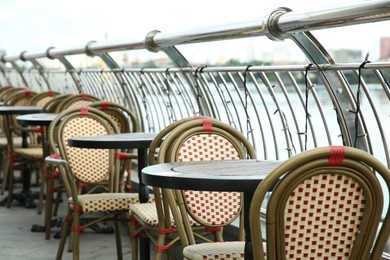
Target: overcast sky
column 33, row 26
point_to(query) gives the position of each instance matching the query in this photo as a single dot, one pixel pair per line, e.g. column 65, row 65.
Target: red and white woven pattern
column 207, row 147
column 216, row 250
column 322, row 217
column 95, row 161
column 80, row 103
column 213, row 208
column 147, row 212
column 102, row 202
column 43, row 101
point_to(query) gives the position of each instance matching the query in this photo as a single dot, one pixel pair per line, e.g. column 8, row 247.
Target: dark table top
column 226, row 175
column 114, row 141
column 36, row 119
column 19, row 110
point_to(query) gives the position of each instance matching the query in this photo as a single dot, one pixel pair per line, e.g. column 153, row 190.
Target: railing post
column 316, row 53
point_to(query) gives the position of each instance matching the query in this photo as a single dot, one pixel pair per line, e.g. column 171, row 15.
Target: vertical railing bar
column 131, row 95
column 222, row 98
column 247, row 91
column 290, row 143
column 185, row 95
column 377, row 119
column 204, row 89
column 237, row 90
column 109, row 85
column 167, row 95
column 144, row 88
column 183, row 81
column 322, row 114
column 282, row 115
column 385, row 84
column 259, row 124
column 135, row 104
column 90, row 81
column 139, row 88
column 110, row 90
column 267, row 83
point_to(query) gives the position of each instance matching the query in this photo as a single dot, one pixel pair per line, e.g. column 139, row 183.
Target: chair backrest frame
column 355, row 167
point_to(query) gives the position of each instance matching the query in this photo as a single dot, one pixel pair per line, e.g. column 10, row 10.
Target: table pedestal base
column 25, row 197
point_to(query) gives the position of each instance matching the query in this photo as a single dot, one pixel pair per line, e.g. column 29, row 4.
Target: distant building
column 346, row 55
column 385, row 48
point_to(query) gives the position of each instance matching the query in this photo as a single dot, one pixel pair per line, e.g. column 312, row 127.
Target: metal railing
column 282, row 110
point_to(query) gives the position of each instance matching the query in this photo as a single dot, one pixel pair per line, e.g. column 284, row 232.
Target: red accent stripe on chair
column 162, row 249
column 53, row 189
column 337, row 154
column 84, row 110
column 81, row 185
column 68, row 218
column 53, row 176
column 104, row 105
column 207, row 124
column 121, row 156
column 55, row 156
column 213, row 229
column 39, row 130
column 78, row 228
column 77, row 209
column 166, row 231
column 27, row 93
column 50, row 93
column 84, row 96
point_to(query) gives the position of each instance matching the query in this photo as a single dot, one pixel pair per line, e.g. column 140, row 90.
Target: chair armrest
column 125, row 156
column 55, row 159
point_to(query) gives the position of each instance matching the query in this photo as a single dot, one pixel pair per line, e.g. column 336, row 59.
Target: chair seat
column 148, row 213
column 16, row 139
column 105, row 201
column 216, row 250
column 31, row 152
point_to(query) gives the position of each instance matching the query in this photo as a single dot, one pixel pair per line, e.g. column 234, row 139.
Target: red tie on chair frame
column 337, row 154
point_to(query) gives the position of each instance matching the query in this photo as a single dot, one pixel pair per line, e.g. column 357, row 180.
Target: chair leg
column 132, row 225
column 64, row 234
column 5, row 173
column 49, row 204
column 41, row 189
column 118, row 240
column 10, row 184
column 76, row 228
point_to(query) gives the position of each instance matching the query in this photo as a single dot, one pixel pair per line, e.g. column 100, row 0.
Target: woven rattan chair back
column 21, row 97
column 4, row 95
column 122, row 116
column 207, row 139
column 43, row 98
column 154, row 146
column 51, row 105
column 90, row 166
column 326, row 204
column 76, row 101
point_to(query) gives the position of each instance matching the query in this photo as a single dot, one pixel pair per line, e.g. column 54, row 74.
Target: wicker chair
column 127, row 123
column 43, row 98
column 205, row 130
column 326, row 203
column 96, row 167
column 16, row 155
column 75, row 101
column 51, row 105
